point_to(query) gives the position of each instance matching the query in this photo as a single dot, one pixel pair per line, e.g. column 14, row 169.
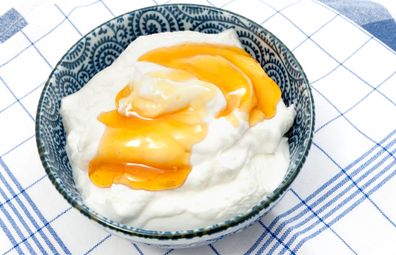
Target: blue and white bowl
column 99, row 48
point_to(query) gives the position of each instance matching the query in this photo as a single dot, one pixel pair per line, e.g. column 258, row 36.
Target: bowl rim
column 256, row 210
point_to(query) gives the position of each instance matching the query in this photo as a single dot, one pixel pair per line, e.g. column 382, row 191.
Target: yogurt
column 232, row 168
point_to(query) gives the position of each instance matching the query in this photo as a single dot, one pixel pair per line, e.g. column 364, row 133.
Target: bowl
column 100, row 47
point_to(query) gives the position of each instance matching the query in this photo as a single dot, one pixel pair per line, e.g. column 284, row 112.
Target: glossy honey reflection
column 150, row 148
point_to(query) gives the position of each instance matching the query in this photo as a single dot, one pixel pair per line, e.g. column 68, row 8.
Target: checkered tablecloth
column 343, row 201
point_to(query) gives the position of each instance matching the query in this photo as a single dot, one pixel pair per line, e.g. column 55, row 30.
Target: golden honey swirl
column 151, row 150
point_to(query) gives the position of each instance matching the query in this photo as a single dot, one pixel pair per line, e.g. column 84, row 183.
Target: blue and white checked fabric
column 371, row 16
column 341, row 203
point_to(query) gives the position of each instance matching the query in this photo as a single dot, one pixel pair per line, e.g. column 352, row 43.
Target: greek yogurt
column 233, row 167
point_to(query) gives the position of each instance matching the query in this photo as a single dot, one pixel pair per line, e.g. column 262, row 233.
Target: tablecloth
column 342, row 202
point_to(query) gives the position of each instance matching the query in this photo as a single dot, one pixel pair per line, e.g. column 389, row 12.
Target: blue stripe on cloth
column 38, row 230
column 350, row 122
column 16, row 146
column 47, row 33
column 20, row 217
column 138, row 249
column 327, row 226
column 105, row 5
column 22, row 97
column 97, row 244
column 277, row 11
column 333, row 201
column 384, row 30
column 371, row 16
column 360, row 200
column 168, row 252
column 275, row 237
column 356, row 75
column 357, row 103
column 11, row 23
column 11, row 220
column 356, row 184
column 359, row 11
column 341, row 64
column 35, row 209
column 333, row 104
column 8, row 106
column 67, row 18
column 213, row 249
column 9, row 235
column 372, row 87
column 12, row 93
column 352, row 22
column 317, row 30
column 38, row 51
column 338, row 62
column 227, row 3
column 22, row 191
column 343, row 202
column 333, row 181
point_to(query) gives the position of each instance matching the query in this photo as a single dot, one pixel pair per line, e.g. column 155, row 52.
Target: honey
column 151, row 150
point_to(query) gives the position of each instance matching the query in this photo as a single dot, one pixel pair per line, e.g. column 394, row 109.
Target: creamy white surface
column 233, row 167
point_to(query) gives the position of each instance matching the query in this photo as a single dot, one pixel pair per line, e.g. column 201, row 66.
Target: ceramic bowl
column 100, row 47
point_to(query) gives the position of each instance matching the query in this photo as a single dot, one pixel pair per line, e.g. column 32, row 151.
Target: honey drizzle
column 154, row 153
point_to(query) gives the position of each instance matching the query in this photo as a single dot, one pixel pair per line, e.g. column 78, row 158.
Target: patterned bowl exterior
column 99, row 48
